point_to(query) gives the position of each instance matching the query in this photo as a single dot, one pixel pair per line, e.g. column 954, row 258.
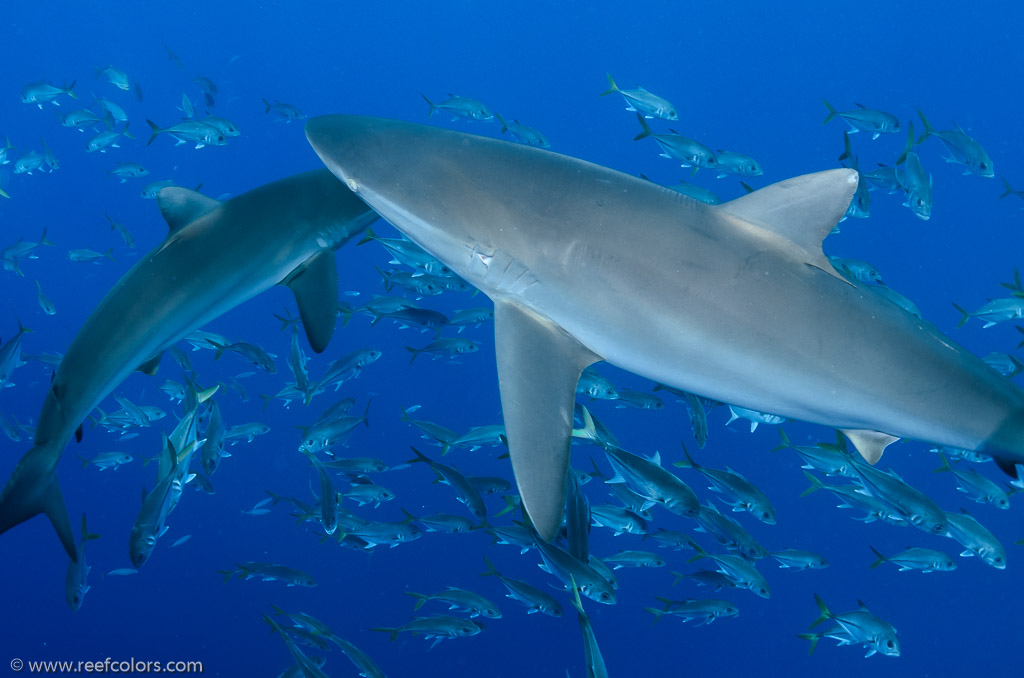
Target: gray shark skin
column 216, row 256
column 735, row 302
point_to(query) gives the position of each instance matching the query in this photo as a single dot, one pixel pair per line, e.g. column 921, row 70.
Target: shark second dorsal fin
column 538, row 367
column 181, row 206
column 315, row 286
column 803, row 210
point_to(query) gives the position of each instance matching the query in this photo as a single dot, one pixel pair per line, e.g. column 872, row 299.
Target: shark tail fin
column 646, row 128
column 33, row 489
column 832, row 112
column 433, row 107
column 612, row 87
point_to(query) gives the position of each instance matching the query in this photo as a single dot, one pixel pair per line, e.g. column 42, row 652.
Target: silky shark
column 735, row 302
column 217, row 255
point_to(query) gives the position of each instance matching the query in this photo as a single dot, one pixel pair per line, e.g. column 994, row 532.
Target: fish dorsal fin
column 870, row 444
column 181, row 206
column 315, row 285
column 539, row 365
column 803, row 210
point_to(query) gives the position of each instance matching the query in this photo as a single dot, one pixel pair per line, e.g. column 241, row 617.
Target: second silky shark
column 217, row 255
column 735, row 302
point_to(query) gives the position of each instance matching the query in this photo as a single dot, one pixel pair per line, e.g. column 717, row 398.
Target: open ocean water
column 744, row 76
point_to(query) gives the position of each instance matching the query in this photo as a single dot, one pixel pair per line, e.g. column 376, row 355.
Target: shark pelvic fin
column 181, row 206
column 870, row 444
column 315, row 285
column 802, row 210
column 538, row 367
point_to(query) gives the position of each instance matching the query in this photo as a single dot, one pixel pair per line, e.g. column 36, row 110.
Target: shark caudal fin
column 33, row 489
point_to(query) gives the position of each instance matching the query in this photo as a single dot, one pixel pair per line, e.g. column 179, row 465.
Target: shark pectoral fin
column 803, row 210
column 181, row 206
column 150, row 366
column 33, row 489
column 870, row 444
column 315, row 285
column 538, row 367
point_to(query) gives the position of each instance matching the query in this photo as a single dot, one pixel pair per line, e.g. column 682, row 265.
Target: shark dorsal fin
column 181, row 206
column 803, row 210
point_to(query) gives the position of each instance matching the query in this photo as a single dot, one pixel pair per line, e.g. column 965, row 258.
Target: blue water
column 745, row 76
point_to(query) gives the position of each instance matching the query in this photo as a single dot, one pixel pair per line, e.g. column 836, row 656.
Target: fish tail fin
column 227, row 574
column 420, row 599
column 504, row 125
column 70, row 90
column 85, row 462
column 492, row 571
column 815, row 484
column 124, row 132
column 266, row 105
column 109, row 254
column 928, row 129
column 85, row 532
column 1009, row 189
column 826, row 613
column 391, row 631
column 419, row 457
column 847, row 151
column 910, row 143
column 945, row 464
column 813, row 637
column 832, row 112
column 33, row 489
column 155, row 129
column 646, row 128
column 612, row 87
column 430, row 103
column 680, row 576
column 881, row 558
column 415, row 352
column 589, row 430
column 688, row 462
column 785, row 441
column 367, row 237
column 964, row 316
column 1021, row 330
column 656, row 612
column 701, row 553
